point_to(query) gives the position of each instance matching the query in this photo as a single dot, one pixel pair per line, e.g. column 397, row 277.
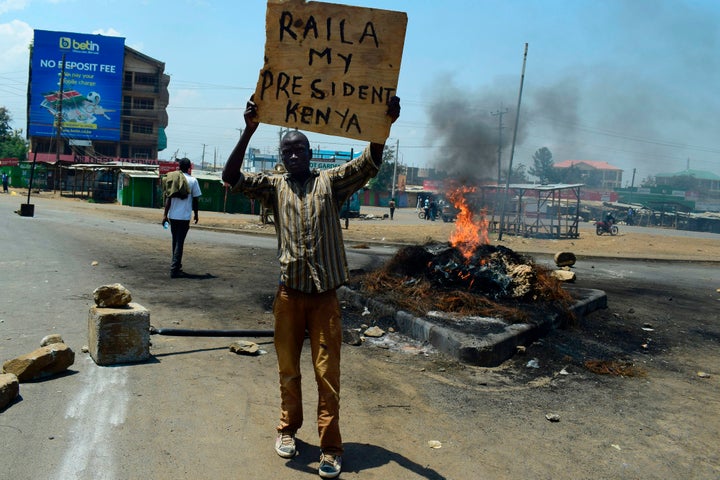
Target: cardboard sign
column 330, row 68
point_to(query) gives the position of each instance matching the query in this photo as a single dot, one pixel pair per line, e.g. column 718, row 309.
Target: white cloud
column 15, row 37
column 110, row 32
column 10, row 5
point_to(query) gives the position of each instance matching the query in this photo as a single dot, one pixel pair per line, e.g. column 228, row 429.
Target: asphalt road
column 197, row 411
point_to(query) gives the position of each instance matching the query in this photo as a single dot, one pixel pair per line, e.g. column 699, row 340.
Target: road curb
column 498, row 343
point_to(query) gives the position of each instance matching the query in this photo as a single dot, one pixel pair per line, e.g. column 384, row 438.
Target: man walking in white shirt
column 181, row 201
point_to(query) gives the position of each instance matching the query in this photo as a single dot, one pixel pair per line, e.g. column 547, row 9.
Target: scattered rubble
column 52, row 338
column 41, row 363
column 564, row 275
column 9, row 389
column 614, row 367
column 374, row 332
column 553, row 417
column 352, row 336
column 112, row 296
column 244, row 347
column 534, row 363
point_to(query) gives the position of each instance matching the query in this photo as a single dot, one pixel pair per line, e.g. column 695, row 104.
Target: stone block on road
column 119, row 335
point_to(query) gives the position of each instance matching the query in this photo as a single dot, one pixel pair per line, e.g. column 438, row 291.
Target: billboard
column 91, row 98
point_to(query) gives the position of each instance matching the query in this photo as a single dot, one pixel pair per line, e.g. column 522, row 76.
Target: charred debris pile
column 494, row 282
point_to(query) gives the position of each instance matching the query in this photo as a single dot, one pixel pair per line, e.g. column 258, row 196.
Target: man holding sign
column 331, row 69
column 306, row 207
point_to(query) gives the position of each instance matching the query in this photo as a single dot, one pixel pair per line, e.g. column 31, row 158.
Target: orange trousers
column 319, row 315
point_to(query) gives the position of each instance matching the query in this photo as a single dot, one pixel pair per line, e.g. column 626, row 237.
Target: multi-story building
column 594, row 174
column 137, row 106
column 144, row 109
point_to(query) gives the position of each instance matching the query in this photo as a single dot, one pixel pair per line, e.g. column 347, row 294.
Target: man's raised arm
column 393, row 111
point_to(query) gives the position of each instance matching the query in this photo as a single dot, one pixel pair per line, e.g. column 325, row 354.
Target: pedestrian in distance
column 182, row 192
column 306, row 207
column 391, row 205
column 5, row 182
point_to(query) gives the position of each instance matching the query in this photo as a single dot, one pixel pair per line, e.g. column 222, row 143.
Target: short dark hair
column 296, row 133
column 184, row 164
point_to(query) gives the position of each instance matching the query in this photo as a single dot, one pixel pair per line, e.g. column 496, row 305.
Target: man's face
column 296, row 153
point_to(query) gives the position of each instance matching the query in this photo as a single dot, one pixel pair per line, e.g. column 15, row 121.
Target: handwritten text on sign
column 330, row 68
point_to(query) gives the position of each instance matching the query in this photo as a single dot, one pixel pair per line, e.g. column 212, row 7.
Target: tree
column 543, row 165
column 5, row 120
column 518, row 174
column 571, row 174
column 12, row 142
column 383, row 180
column 648, row 182
column 684, row 182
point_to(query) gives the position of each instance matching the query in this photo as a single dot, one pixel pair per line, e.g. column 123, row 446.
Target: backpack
column 175, row 185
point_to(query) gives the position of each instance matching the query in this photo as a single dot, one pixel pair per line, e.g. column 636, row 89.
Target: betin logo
column 88, row 46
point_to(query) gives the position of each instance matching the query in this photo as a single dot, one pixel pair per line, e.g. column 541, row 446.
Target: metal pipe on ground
column 186, row 332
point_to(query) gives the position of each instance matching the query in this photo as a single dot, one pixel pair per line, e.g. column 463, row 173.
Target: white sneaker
column 285, row 445
column 330, row 465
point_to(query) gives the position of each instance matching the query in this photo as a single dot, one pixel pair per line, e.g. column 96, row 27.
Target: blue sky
column 631, row 82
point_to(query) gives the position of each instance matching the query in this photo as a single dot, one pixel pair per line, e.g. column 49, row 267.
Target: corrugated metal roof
column 207, row 177
column 543, row 187
column 139, row 174
column 590, row 163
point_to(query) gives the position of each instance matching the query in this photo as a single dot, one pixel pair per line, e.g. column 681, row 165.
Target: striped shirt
column 307, row 220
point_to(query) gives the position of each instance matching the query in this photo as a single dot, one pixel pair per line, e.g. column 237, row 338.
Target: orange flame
column 469, row 232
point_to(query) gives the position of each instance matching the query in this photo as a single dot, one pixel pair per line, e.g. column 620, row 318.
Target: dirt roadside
column 407, row 228
column 654, row 422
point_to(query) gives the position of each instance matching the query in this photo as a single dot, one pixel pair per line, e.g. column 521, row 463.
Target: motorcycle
column 606, row 226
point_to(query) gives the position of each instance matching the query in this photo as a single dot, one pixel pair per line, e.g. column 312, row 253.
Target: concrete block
column 119, row 335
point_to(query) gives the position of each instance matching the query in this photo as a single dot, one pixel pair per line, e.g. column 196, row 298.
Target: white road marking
column 98, row 407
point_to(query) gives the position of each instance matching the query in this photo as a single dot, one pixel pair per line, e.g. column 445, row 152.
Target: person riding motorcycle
column 607, row 225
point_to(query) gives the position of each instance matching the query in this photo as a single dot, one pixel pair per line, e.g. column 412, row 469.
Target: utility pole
column 202, row 159
column 58, row 123
column 397, row 156
column 500, row 129
column 512, row 148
